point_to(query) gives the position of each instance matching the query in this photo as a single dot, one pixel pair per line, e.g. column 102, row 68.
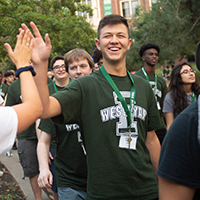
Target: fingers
column 26, row 38
column 50, row 156
column 35, row 30
column 19, row 38
column 49, row 161
column 25, row 28
column 47, row 40
column 45, row 181
column 51, row 180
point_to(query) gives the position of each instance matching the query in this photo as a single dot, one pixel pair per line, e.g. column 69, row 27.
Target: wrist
column 22, row 69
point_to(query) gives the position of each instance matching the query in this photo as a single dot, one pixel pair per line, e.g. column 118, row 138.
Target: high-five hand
column 21, row 55
column 41, row 49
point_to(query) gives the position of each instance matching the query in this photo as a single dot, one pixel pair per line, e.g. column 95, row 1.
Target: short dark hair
column 146, row 46
column 54, row 59
column 96, row 55
column 112, row 20
column 7, row 74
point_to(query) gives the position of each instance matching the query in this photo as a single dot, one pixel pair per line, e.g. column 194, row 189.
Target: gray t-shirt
column 169, row 103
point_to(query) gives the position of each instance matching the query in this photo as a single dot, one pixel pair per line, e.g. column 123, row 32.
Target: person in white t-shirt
column 15, row 119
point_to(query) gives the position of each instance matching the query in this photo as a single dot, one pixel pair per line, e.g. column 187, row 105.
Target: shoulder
column 139, row 80
column 168, row 96
column 139, row 72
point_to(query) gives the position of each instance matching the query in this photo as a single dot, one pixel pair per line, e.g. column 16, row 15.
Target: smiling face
column 187, row 75
column 59, row 70
column 114, row 42
column 150, row 57
column 79, row 68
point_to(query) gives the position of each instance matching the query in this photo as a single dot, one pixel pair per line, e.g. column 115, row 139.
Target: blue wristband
column 22, row 69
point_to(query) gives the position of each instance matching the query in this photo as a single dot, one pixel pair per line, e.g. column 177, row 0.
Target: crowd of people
column 96, row 131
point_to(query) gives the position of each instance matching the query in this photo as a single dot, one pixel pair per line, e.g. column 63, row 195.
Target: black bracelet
column 22, row 69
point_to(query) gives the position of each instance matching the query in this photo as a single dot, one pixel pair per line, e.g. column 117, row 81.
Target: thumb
column 8, row 48
column 51, row 179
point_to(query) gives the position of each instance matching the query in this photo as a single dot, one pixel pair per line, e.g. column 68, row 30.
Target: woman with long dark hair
column 183, row 90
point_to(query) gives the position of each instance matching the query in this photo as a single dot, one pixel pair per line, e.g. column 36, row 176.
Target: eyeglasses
column 186, row 71
column 57, row 67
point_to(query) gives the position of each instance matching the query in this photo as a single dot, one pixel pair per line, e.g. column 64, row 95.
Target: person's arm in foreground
column 153, row 146
column 31, row 108
column 173, row 191
column 45, row 178
column 40, row 55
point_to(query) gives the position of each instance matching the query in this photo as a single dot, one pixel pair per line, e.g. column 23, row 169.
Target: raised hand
column 21, row 55
column 41, row 49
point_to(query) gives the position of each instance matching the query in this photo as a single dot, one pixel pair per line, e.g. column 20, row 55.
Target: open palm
column 41, row 49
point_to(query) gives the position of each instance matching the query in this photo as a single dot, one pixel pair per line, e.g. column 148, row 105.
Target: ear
column 129, row 43
column 143, row 58
column 97, row 44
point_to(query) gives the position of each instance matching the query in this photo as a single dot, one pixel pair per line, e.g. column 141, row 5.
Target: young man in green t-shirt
column 149, row 53
column 71, row 171
column 116, row 113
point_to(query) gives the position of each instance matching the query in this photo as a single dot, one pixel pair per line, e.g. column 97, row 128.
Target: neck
column 117, row 69
column 62, row 83
column 149, row 69
column 187, row 88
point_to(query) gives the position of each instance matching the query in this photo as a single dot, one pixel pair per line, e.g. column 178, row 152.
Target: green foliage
column 59, row 18
column 9, row 197
column 173, row 24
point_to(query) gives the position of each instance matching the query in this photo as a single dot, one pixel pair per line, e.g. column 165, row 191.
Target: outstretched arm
column 31, row 107
column 40, row 55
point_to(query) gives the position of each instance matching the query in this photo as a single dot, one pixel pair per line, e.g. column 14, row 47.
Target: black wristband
column 22, row 69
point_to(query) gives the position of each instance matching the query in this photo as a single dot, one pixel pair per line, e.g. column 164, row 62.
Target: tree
column 59, row 18
column 172, row 24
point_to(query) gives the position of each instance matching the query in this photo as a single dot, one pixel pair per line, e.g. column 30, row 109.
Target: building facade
column 125, row 8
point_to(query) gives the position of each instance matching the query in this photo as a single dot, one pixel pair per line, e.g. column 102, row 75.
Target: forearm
column 41, row 83
column 169, row 118
column 154, row 147
column 31, row 107
column 43, row 155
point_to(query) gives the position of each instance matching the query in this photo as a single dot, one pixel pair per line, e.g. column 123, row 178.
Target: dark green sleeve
column 47, row 126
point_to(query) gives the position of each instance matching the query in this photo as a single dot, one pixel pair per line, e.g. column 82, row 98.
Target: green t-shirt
column 51, row 125
column 114, row 171
column 161, row 91
column 70, row 159
column 14, row 97
column 3, row 90
column 49, row 80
